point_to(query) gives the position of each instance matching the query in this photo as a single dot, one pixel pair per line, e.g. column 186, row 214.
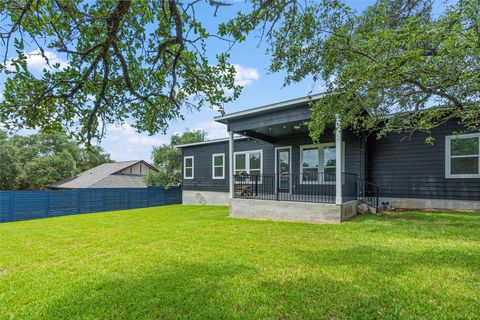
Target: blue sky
column 260, row 88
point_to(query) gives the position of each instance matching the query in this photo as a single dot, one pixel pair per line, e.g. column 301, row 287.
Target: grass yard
column 178, row 262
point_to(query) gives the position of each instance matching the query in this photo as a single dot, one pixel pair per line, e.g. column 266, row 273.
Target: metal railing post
column 277, row 178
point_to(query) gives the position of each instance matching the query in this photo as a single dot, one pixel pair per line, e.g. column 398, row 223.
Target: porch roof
column 271, row 122
column 274, row 107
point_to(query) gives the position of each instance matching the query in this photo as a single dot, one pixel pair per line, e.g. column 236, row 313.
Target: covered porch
column 296, row 174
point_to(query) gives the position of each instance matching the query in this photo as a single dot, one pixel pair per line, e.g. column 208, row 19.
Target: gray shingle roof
column 121, row 181
column 93, row 178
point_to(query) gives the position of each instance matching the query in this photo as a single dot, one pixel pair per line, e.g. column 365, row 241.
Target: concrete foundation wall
column 406, row 203
column 191, row 197
column 292, row 211
column 349, row 210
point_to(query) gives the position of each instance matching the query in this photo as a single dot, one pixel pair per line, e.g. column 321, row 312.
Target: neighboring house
column 124, row 174
column 279, row 173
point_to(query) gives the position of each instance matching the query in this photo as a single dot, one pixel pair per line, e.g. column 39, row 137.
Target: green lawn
column 177, row 262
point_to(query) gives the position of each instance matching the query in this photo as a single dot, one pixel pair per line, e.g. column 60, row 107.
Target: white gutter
column 207, row 142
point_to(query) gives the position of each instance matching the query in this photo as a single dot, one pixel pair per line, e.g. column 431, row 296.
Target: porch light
column 296, row 127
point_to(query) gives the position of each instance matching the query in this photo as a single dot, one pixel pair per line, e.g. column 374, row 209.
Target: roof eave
column 275, row 106
column 207, row 142
column 139, row 161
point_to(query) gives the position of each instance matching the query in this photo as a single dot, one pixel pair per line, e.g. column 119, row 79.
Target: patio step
column 364, row 207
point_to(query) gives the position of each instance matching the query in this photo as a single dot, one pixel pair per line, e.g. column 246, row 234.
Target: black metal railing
column 349, row 186
column 304, row 187
column 368, row 192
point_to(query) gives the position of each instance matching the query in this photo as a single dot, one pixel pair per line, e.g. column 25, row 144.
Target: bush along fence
column 26, row 205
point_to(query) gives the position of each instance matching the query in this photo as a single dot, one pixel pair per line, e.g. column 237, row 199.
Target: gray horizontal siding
column 203, row 163
column 203, row 159
column 409, row 168
column 203, row 167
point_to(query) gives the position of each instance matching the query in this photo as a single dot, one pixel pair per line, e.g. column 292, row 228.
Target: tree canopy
column 32, row 162
column 168, row 159
column 147, row 60
column 397, row 60
column 140, row 60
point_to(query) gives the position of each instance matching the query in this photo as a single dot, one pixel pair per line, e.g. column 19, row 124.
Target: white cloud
column 215, row 130
column 125, row 143
column 245, row 76
column 36, row 61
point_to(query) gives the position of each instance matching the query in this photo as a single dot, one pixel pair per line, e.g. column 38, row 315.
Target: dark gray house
column 269, row 168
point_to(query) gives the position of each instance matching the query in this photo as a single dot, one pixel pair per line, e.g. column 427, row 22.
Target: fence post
column 47, row 202
column 12, row 206
column 78, row 201
column 104, row 196
column 129, row 198
column 277, row 177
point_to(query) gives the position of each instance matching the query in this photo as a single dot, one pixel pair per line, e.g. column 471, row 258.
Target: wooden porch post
column 230, row 162
column 339, row 161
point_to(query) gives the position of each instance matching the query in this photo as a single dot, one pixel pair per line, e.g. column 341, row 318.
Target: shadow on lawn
column 405, row 241
column 174, row 291
column 207, row 291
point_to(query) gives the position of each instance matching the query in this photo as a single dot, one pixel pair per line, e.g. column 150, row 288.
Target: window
column 218, row 166
column 309, row 161
column 329, row 164
column 462, row 154
column 249, row 162
column 318, row 163
column 188, row 167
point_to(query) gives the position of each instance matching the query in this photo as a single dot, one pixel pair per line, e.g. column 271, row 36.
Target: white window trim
column 247, row 161
column 448, row 156
column 320, row 158
column 223, row 165
column 185, row 167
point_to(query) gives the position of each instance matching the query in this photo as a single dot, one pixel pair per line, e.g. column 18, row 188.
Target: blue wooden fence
column 35, row 204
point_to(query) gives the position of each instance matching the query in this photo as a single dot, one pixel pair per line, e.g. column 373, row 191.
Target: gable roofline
column 267, row 108
column 91, row 176
column 135, row 162
column 208, row 142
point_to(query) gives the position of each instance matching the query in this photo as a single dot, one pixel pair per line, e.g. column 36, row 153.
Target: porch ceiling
column 273, row 133
column 284, row 131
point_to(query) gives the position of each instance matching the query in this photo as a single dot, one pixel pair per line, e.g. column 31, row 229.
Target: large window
column 218, row 166
column 462, row 156
column 318, row 163
column 310, row 164
column 188, row 167
column 249, row 162
column 329, row 164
